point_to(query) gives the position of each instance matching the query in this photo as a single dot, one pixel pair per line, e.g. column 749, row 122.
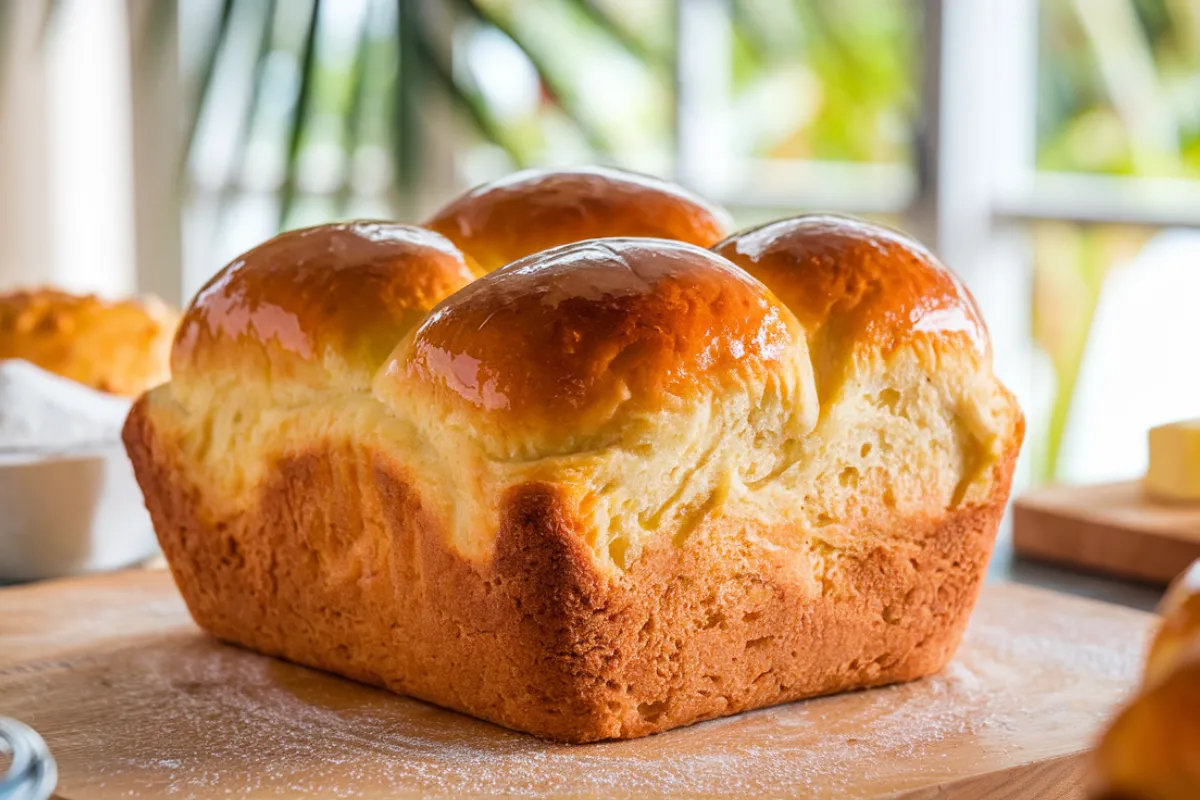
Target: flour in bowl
column 41, row 410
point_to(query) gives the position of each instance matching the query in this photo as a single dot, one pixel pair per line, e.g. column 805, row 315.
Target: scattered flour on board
column 233, row 719
column 267, row 740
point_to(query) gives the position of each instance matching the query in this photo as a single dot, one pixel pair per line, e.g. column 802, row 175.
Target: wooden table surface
column 134, row 700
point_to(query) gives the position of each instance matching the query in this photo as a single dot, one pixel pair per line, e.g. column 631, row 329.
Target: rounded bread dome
column 534, row 210
column 321, row 306
column 553, row 348
column 859, row 289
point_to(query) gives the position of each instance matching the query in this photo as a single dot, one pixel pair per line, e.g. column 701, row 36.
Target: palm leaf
column 829, row 34
column 746, row 25
column 471, row 104
column 207, row 70
column 287, row 199
column 352, row 118
column 406, row 128
column 558, row 93
column 266, row 36
column 632, row 44
column 420, row 61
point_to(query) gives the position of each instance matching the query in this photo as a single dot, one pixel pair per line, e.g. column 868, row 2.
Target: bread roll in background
column 1152, row 750
column 616, row 486
column 534, row 210
column 120, row 347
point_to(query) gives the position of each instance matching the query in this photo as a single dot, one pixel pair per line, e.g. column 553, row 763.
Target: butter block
column 1174, row 472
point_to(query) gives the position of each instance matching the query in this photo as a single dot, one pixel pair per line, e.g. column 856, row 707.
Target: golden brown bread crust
column 590, row 496
column 535, row 210
column 339, row 565
column 318, row 305
column 1152, row 749
column 117, row 347
column 857, row 288
column 1150, row 752
column 1178, row 639
column 568, row 336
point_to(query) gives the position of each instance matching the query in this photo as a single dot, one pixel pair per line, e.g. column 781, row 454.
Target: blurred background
column 1048, row 150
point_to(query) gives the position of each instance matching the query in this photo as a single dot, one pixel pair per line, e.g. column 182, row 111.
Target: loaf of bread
column 1152, row 750
column 612, row 487
column 116, row 347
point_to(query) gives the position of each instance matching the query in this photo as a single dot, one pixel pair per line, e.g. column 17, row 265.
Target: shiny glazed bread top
column 317, row 310
column 535, row 210
column 860, row 291
column 809, row 375
column 557, row 352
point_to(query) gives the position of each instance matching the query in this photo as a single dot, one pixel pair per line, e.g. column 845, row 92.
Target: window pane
column 564, row 82
column 825, row 79
column 1119, row 87
column 1112, row 308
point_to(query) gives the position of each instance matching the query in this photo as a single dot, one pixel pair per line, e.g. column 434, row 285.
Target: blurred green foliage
column 833, row 79
column 550, row 81
column 1119, row 87
column 1071, row 263
column 1118, row 94
column 339, row 99
column 811, row 79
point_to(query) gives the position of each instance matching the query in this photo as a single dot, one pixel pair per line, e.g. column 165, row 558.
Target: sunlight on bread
column 613, row 464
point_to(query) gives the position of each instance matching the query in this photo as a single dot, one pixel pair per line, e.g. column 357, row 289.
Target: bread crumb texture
column 605, row 489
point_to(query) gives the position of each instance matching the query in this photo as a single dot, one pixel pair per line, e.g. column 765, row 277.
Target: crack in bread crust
column 339, row 564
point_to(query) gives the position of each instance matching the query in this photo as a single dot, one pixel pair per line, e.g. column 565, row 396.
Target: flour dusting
column 228, row 721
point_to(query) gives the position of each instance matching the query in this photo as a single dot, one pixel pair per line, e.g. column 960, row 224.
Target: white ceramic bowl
column 70, row 512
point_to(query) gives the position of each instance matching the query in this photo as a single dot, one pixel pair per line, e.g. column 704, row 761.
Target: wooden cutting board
column 134, row 700
column 1111, row 528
